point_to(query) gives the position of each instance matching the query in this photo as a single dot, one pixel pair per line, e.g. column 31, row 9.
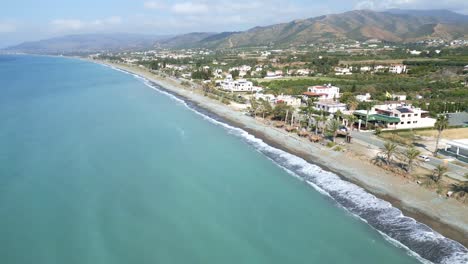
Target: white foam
column 328, row 183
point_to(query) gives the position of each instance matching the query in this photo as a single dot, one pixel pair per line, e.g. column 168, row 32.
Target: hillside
column 392, row 26
column 86, row 43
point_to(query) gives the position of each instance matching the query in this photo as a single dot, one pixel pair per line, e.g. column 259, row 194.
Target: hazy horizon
column 22, row 21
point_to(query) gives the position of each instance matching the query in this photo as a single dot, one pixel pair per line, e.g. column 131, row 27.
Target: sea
column 98, row 165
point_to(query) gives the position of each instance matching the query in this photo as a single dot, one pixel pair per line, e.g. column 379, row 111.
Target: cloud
column 67, row 24
column 60, row 25
column 7, row 28
column 455, row 5
column 154, row 5
column 190, row 8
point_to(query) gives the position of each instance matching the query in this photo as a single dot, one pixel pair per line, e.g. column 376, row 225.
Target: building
column 342, row 71
column 397, row 116
column 238, row 86
column 458, row 148
column 397, row 69
column 363, row 97
column 330, row 106
column 289, row 100
column 326, row 92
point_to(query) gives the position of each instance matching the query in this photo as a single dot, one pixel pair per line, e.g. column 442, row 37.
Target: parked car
column 424, row 158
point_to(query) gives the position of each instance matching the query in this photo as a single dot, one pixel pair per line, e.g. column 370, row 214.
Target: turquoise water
column 96, row 167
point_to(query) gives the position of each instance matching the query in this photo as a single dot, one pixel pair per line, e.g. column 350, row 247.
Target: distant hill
column 186, row 40
column 443, row 16
column 87, row 43
column 392, row 25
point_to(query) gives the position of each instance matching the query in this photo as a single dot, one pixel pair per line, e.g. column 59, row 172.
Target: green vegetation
column 441, row 124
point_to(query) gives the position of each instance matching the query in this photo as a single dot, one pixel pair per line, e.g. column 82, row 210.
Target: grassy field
column 457, row 133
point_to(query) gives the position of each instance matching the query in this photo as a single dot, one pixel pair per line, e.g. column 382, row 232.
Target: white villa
column 240, row 85
column 330, row 106
column 343, row 71
column 289, row 100
column 399, row 116
column 326, row 92
column 397, row 69
column 363, row 97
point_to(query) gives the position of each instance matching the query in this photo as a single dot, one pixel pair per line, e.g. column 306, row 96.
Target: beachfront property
column 289, row 100
column 286, row 99
column 396, row 116
column 326, row 92
column 397, row 69
column 240, row 85
column 458, row 148
column 330, row 106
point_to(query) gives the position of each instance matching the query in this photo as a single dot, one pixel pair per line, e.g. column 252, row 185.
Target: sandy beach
column 447, row 216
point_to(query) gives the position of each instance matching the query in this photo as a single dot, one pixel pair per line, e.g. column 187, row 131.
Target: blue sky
column 24, row 20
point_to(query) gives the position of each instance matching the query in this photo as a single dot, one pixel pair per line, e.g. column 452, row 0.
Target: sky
column 27, row 20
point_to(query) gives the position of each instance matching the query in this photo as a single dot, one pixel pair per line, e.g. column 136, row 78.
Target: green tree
column 280, row 110
column 309, row 110
column 333, row 126
column 460, row 188
column 441, row 124
column 389, row 151
column 438, row 173
column 411, row 155
column 266, row 108
column 254, row 106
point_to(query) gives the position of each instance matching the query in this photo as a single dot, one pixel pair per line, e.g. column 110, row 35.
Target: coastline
column 448, row 217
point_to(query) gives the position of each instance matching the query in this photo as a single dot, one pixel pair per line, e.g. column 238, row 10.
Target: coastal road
column 455, row 171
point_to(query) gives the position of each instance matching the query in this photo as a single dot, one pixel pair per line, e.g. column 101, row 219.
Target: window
column 402, row 123
column 416, row 114
column 409, row 122
column 415, row 122
column 409, row 115
column 402, row 115
column 396, row 115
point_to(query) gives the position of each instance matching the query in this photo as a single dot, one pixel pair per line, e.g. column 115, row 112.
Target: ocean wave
column 418, row 239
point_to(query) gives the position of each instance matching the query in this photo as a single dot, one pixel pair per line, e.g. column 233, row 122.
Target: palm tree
column 308, row 110
column 461, row 188
column 351, row 120
column 411, row 155
column 438, row 173
column 254, row 105
column 441, row 124
column 389, row 151
column 332, row 126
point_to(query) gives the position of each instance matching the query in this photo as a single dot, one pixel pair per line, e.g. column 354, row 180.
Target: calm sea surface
column 97, row 167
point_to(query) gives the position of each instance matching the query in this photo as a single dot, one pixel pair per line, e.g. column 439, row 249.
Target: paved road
column 455, row 171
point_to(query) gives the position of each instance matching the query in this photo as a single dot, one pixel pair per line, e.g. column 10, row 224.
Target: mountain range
column 88, row 43
column 393, row 25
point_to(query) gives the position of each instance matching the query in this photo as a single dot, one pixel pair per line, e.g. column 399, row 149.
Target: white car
column 424, row 158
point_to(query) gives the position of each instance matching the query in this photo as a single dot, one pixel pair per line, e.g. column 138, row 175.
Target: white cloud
column 154, row 5
column 67, row 24
column 456, row 5
column 190, row 8
column 62, row 25
column 7, row 28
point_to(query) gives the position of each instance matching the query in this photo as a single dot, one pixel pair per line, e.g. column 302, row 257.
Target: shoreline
column 359, row 173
